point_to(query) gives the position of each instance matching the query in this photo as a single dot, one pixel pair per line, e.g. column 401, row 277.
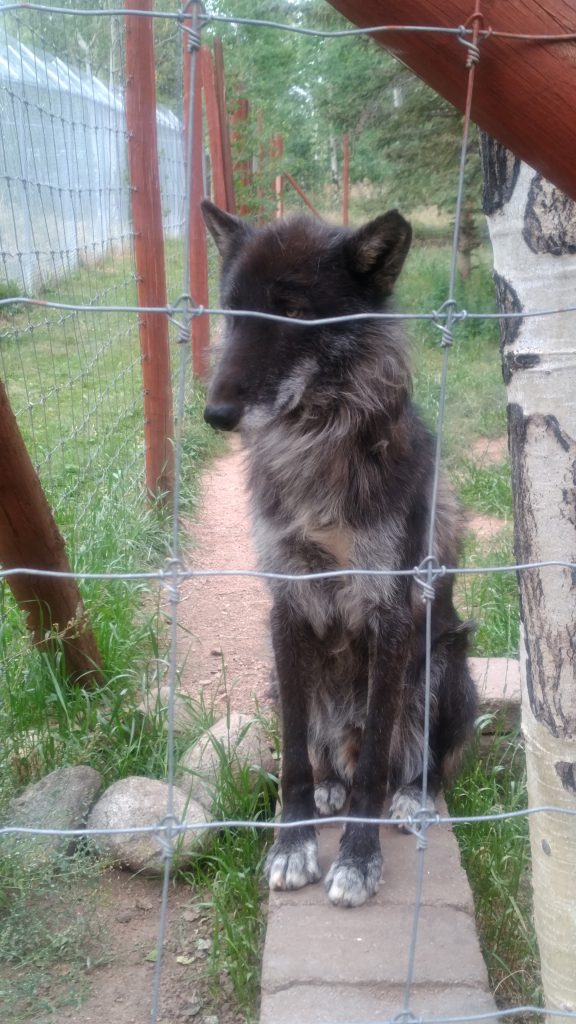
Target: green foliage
column 405, row 140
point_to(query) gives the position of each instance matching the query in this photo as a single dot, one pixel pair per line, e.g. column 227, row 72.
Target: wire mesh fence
column 66, row 236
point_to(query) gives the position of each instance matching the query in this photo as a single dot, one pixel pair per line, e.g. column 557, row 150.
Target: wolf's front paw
column 350, row 882
column 292, row 864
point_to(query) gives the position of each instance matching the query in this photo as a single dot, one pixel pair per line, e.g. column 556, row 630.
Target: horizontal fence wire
column 458, row 316
column 87, row 238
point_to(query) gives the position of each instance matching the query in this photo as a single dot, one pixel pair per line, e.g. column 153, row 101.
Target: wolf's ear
column 379, row 248
column 226, row 230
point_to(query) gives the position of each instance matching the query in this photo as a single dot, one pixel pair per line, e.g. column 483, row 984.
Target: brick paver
column 327, row 964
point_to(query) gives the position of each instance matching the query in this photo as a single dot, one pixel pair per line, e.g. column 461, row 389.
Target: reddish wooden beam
column 525, row 91
column 198, row 251
column 30, row 539
column 242, row 166
column 220, row 85
column 300, row 191
column 345, row 179
column 214, row 128
column 149, row 248
column 276, row 153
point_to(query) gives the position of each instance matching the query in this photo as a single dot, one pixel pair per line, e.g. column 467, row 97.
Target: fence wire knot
column 419, row 823
column 473, row 47
column 191, row 10
column 444, row 317
column 164, row 835
column 405, row 1017
column 170, row 577
column 189, row 309
column 423, row 575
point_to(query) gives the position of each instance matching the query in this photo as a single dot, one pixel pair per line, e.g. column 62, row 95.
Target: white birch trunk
column 533, row 231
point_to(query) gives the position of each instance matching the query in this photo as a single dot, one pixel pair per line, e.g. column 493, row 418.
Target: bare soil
column 487, row 452
column 224, row 650
column 126, row 931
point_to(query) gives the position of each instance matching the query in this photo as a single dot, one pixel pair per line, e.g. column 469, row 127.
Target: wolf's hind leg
column 407, row 800
column 330, row 797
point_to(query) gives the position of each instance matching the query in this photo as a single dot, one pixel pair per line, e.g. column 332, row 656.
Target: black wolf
column 341, row 473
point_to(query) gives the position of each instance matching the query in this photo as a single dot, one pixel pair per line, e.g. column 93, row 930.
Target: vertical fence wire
column 81, row 219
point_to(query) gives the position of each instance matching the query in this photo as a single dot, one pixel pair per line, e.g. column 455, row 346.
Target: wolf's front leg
column 355, row 874
column 293, row 859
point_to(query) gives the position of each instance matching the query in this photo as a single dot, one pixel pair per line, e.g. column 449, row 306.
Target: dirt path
column 223, row 647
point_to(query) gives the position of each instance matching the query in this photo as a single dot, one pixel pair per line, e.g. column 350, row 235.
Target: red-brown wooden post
column 220, row 84
column 345, row 179
column 149, row 248
column 276, row 153
column 300, row 191
column 30, row 539
column 198, row 251
column 260, row 194
column 242, row 166
column 214, row 128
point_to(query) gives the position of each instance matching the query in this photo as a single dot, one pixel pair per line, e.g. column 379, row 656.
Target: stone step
column 327, row 964
column 498, row 682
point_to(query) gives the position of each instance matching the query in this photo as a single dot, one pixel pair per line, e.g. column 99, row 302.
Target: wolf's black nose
column 223, row 417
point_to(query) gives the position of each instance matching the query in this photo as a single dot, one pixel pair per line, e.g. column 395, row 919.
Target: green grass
column 496, row 856
column 74, row 382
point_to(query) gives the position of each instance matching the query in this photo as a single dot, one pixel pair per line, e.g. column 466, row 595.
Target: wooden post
column 276, row 153
column 149, row 249
column 345, row 179
column 242, row 166
column 198, row 251
column 30, row 539
column 260, row 193
column 300, row 191
column 220, row 85
column 214, row 128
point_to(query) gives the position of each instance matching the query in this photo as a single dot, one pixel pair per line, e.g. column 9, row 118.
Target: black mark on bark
column 566, row 772
column 549, row 220
column 500, row 170
column 508, row 302
column 512, row 361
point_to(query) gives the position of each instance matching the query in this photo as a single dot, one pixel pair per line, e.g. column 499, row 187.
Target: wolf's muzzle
column 225, row 416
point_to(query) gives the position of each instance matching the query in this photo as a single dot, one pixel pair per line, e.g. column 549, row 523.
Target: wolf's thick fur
column 341, row 473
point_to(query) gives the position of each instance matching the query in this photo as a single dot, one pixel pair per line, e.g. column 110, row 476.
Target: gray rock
column 185, row 714
column 135, row 802
column 61, row 800
column 235, row 741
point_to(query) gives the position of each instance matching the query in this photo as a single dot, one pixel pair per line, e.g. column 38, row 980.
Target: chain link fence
column 64, row 213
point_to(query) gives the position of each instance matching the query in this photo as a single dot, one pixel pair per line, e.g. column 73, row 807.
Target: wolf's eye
column 293, row 312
